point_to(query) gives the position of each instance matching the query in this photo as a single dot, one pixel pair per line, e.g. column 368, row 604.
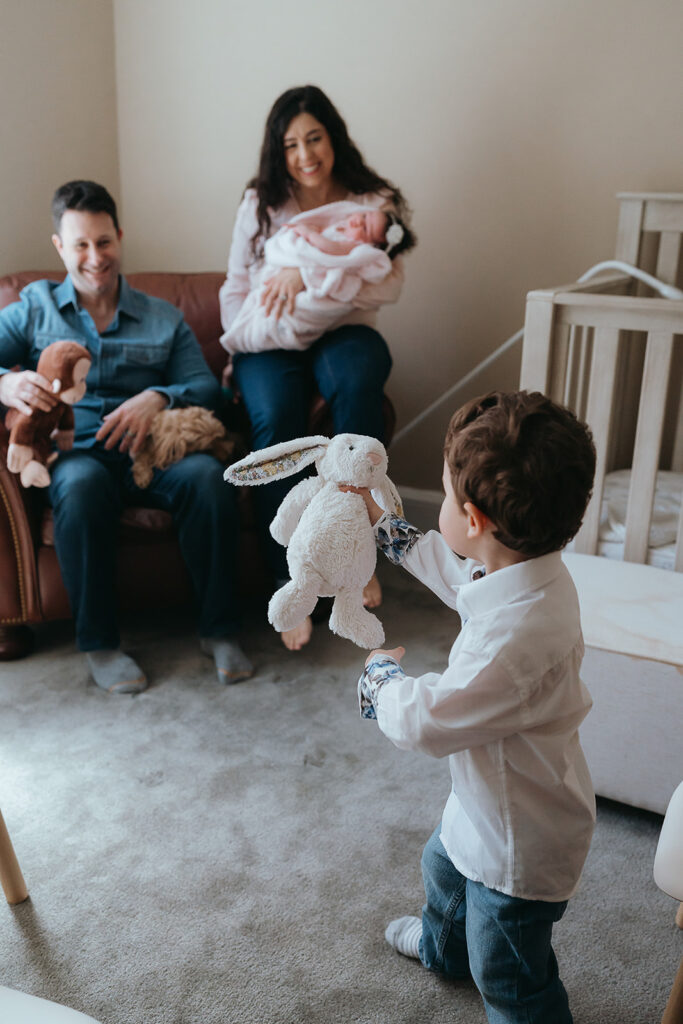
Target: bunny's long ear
column 276, row 462
column 388, row 497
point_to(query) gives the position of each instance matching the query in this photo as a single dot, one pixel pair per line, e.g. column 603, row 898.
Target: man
column 144, row 358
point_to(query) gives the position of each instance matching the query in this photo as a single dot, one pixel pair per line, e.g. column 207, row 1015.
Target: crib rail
column 617, row 361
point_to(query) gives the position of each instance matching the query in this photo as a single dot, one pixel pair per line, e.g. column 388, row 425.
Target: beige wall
column 510, row 127
column 57, row 116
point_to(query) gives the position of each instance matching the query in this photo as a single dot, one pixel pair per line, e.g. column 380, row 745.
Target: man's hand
column 375, row 511
column 397, row 653
column 26, row 390
column 280, row 292
column 128, row 425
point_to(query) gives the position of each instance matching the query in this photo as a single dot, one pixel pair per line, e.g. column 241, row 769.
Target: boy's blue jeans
column 502, row 942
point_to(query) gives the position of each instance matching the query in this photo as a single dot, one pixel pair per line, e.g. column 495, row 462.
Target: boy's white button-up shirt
column 506, row 712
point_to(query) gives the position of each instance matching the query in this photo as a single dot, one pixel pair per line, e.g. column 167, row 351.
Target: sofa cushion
column 196, row 295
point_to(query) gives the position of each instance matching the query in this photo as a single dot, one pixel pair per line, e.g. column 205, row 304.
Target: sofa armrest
column 19, row 597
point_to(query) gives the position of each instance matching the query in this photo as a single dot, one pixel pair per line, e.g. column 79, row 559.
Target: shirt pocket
column 144, row 354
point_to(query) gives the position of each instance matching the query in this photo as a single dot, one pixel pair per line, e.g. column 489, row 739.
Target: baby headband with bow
column 395, row 232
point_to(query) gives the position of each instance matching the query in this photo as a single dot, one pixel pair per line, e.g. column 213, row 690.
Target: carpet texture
column 232, row 855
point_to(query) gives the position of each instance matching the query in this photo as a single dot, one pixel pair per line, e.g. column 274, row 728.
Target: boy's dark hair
column 408, row 241
column 82, row 195
column 527, row 463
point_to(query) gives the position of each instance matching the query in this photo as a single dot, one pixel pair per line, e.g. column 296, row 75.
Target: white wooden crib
column 614, row 353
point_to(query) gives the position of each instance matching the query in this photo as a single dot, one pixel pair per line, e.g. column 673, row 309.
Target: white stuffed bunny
column 330, row 543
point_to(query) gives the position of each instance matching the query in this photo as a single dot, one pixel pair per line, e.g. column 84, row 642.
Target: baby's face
column 369, row 226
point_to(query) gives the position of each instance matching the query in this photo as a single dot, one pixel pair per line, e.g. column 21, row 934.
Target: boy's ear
column 477, row 521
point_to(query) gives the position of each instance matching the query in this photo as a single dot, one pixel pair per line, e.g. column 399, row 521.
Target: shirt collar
column 65, row 294
column 507, row 585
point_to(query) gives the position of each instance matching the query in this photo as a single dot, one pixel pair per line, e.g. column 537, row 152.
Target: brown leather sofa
column 151, row 571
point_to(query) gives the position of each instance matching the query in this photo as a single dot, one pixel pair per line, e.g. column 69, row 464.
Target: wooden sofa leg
column 679, row 915
column 11, row 877
column 15, row 642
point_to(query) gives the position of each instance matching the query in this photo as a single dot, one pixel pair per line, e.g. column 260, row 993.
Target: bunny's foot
column 350, row 619
column 291, row 604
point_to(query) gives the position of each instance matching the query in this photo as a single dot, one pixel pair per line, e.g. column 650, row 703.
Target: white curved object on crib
column 331, row 549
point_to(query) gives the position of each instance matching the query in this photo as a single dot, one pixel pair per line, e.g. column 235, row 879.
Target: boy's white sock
column 404, row 935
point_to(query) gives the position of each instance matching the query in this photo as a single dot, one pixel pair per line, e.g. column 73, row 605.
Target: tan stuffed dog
column 175, row 433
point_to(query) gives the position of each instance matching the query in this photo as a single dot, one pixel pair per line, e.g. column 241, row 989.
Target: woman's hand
column 280, row 292
column 26, row 390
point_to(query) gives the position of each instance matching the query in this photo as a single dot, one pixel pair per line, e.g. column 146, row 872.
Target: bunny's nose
column 374, row 458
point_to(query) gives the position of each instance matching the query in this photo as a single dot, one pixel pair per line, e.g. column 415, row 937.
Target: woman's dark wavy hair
column 272, row 182
column 525, row 462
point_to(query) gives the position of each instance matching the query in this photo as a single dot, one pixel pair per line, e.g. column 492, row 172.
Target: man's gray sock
column 232, row 664
column 404, row 935
column 116, row 672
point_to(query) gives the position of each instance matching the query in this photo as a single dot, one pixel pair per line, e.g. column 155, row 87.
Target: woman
column 307, row 160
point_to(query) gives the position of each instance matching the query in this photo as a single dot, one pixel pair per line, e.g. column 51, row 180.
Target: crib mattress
column 666, row 510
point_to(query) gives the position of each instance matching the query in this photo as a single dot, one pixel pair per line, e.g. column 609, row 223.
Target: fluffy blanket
column 332, row 283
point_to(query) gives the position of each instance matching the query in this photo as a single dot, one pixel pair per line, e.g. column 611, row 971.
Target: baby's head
column 526, row 463
column 381, row 228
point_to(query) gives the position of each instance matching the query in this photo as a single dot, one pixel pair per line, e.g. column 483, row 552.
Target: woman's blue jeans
column 502, row 942
column 349, row 365
column 88, row 490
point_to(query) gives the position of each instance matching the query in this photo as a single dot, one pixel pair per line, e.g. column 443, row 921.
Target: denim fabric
column 147, row 345
column 503, row 942
column 349, row 365
column 88, row 489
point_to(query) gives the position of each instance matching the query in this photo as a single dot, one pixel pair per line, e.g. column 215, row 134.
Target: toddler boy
column 508, row 853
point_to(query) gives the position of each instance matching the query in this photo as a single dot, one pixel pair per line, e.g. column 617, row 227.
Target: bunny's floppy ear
column 388, row 497
column 277, row 461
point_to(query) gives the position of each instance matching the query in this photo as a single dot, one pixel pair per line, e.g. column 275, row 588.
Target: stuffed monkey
column 65, row 364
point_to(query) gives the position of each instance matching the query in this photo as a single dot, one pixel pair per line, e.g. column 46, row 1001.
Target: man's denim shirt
column 147, row 345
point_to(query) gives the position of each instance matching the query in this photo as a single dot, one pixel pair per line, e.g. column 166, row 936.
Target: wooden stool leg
column 679, row 915
column 673, row 1014
column 10, row 873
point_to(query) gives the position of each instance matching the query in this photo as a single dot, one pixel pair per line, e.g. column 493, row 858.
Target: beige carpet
column 231, row 856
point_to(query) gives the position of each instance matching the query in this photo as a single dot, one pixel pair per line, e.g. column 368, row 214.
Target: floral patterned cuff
column 395, row 537
column 378, row 671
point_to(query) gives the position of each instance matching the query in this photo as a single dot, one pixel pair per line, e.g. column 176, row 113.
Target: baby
column 380, row 228
column 337, row 248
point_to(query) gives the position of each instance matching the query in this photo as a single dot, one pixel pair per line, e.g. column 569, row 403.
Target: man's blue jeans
column 502, row 942
column 88, row 490
column 350, row 366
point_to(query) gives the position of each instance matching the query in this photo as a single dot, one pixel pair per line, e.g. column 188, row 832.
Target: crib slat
column 598, row 417
column 668, row 256
column 631, row 212
column 647, row 445
column 535, row 370
column 678, row 557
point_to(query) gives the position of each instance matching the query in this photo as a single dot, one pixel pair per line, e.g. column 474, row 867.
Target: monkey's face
column 75, row 392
